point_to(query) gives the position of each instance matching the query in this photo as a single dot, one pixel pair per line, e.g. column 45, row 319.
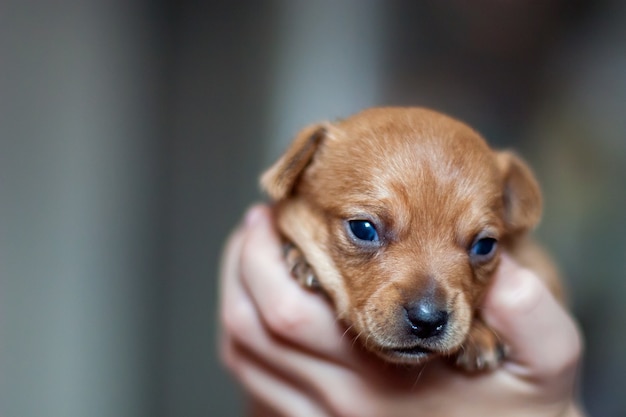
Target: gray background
column 132, row 135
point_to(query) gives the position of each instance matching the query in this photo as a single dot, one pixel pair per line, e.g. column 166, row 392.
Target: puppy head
column 402, row 214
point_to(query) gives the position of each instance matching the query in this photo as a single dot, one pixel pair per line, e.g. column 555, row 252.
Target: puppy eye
column 363, row 230
column 484, row 247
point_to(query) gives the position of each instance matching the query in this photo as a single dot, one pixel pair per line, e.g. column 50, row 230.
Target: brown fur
column 431, row 186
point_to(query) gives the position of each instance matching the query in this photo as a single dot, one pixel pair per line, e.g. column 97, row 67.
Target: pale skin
column 284, row 345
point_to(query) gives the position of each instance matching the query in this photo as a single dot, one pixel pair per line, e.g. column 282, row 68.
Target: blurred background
column 132, row 134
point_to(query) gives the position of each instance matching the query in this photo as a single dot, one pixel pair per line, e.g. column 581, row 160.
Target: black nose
column 426, row 318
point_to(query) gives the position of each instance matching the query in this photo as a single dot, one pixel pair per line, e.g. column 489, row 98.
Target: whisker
column 419, row 376
column 345, row 333
column 354, row 339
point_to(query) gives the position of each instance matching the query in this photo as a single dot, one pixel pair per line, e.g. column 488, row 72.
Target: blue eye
column 363, row 230
column 484, row 247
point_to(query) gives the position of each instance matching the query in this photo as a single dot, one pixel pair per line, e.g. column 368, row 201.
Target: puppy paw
column 299, row 268
column 481, row 351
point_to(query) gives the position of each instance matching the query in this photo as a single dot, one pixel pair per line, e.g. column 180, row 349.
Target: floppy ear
column 281, row 178
column 522, row 195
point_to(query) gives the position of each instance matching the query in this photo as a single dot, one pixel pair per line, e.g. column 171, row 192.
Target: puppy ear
column 281, row 178
column 522, row 195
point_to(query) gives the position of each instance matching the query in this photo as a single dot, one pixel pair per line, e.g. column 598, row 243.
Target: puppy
column 400, row 216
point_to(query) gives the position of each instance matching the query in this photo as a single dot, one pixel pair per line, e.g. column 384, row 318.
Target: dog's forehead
column 409, row 167
column 387, row 148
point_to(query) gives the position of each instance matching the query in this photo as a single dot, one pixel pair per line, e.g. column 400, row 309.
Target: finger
column 543, row 338
column 333, row 383
column 300, row 316
column 229, row 267
column 270, row 387
column 229, row 273
column 244, row 325
column 324, row 384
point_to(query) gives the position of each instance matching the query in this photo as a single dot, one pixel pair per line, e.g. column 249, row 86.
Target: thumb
column 543, row 340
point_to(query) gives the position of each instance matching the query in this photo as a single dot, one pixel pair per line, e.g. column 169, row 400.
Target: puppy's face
column 402, row 214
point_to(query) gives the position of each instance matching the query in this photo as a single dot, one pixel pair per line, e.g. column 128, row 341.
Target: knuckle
column 227, row 357
column 228, row 354
column 248, row 258
column 237, row 319
column 570, row 350
column 285, row 317
column 527, row 295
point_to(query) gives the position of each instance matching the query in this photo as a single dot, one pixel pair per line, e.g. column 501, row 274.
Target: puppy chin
column 406, row 356
column 412, row 355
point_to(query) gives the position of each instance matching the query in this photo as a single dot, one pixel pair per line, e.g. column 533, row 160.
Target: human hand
column 285, row 346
